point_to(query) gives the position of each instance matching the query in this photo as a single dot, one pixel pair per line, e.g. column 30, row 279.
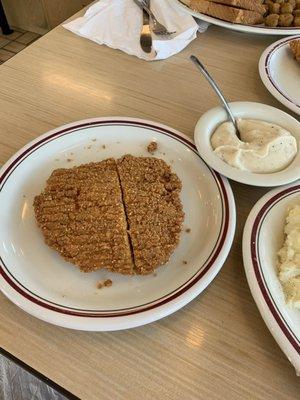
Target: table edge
column 54, row 385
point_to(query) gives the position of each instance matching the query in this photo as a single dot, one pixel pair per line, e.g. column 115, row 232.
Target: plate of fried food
column 278, row 17
column 111, row 223
column 271, row 253
column 279, row 69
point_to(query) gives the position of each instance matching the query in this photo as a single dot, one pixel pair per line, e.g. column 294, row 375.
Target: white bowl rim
column 209, row 121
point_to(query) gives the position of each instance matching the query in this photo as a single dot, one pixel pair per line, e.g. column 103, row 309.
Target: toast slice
column 229, row 12
column 251, row 5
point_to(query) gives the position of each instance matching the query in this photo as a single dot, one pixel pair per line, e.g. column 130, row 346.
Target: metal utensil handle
column 207, row 75
column 146, row 38
column 146, row 7
column 138, row 4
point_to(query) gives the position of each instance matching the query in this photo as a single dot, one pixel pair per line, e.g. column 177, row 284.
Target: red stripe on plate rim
column 156, row 303
column 257, row 265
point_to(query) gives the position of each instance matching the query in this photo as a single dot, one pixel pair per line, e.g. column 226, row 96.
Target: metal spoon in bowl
column 207, row 75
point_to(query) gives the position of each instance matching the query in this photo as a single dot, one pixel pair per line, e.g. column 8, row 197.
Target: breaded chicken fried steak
column 122, row 215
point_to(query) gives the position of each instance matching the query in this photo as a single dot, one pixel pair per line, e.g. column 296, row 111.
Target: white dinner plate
column 280, row 73
column 260, row 29
column 39, row 281
column 263, row 237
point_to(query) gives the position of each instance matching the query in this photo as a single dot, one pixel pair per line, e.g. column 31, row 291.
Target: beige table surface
column 218, row 346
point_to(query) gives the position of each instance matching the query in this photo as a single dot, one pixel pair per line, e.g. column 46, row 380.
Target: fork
column 157, row 28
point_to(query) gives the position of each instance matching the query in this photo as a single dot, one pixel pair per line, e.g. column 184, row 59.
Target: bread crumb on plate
column 106, row 283
column 152, row 147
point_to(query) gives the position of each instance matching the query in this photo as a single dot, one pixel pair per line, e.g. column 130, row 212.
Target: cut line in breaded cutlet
column 125, row 216
column 153, row 209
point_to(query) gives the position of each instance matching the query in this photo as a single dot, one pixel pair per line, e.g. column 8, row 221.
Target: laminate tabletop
column 216, row 347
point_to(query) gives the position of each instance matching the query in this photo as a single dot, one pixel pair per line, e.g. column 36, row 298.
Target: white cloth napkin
column 118, row 23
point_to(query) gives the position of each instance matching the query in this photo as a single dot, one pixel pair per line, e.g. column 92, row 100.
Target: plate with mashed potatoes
column 271, row 253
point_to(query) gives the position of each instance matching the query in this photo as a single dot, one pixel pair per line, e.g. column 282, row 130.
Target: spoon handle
column 207, row 75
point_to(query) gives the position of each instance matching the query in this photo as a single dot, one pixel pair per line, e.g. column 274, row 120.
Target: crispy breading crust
column 125, row 216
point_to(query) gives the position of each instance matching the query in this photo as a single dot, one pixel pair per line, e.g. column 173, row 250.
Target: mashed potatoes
column 289, row 258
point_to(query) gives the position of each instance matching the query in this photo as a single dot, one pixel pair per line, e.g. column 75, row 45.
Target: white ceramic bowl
column 208, row 123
